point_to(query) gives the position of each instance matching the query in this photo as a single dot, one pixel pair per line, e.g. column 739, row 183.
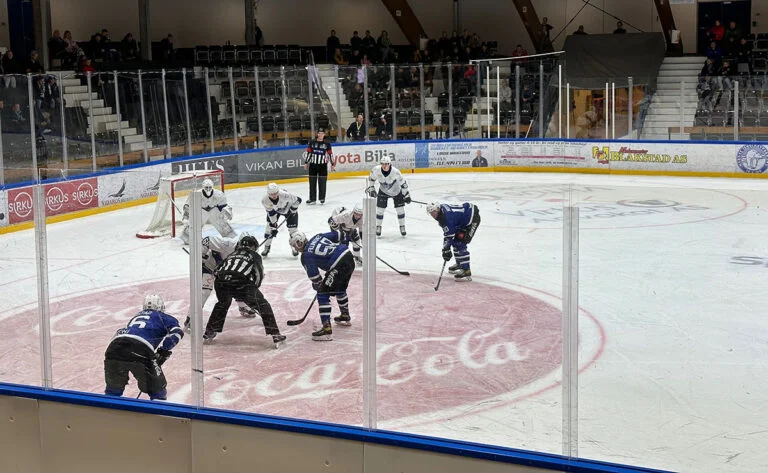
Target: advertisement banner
column 751, row 158
column 545, row 154
column 455, row 154
column 3, row 208
column 362, row 157
column 60, row 197
column 131, row 185
column 271, row 165
column 226, row 163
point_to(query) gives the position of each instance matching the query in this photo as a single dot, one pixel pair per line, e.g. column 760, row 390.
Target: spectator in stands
column 731, row 47
column 725, row 79
column 580, row 30
column 258, row 35
column 56, row 45
column 526, row 96
column 73, row 50
column 52, row 94
column 129, row 48
column 716, row 32
column 709, row 69
column 619, row 28
column 356, row 96
column 519, row 51
column 704, row 89
column 356, row 58
column 10, row 69
column 466, row 38
column 331, row 45
column 369, row 44
column 88, row 66
column 167, row 48
column 33, row 65
column 733, row 31
column 744, row 56
column 470, row 76
column 505, row 92
column 356, row 131
column 355, row 42
column 110, row 54
column 383, row 129
column 18, row 120
column 385, row 46
column 444, row 44
column 714, row 52
column 338, row 58
column 546, row 28
column 96, row 47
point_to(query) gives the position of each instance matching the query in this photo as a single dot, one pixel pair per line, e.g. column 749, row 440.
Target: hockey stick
column 418, row 202
column 270, row 234
column 402, row 273
column 441, row 276
column 301, row 320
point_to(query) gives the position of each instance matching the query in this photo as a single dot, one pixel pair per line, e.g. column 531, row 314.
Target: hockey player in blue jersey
column 325, row 251
column 459, row 223
column 141, row 348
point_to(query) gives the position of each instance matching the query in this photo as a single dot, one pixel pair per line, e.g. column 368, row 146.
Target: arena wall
column 138, row 184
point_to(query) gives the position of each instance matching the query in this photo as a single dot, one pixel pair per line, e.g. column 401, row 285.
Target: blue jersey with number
column 454, row 217
column 154, row 329
column 323, row 251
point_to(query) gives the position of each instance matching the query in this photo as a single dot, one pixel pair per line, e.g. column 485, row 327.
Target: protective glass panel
column 352, row 80
column 154, row 112
column 174, row 85
column 16, row 131
column 103, row 119
column 478, row 361
column 379, row 103
column 670, row 334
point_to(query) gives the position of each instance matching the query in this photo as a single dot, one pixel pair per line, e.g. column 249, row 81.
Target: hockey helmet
column 249, row 242
column 154, row 302
column 298, row 241
column 207, row 188
column 357, row 211
column 433, row 209
column 272, row 189
column 385, row 160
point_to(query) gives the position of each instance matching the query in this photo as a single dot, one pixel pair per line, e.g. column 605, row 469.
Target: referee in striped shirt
column 317, row 157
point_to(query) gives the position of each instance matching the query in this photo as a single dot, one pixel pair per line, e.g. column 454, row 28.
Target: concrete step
column 76, row 89
column 70, row 82
column 97, row 111
column 138, row 146
column 674, row 72
column 96, row 103
column 684, row 60
column 102, row 118
column 133, row 138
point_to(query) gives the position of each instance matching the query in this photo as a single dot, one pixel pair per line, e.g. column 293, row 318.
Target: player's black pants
column 318, row 176
column 127, row 355
column 245, row 292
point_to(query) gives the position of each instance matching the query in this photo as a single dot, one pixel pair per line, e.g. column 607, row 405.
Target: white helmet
column 358, row 210
column 298, row 241
column 385, row 160
column 154, row 302
column 208, row 188
column 272, row 189
column 433, row 207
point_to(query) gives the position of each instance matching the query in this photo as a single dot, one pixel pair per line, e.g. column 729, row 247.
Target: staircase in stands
column 664, row 111
column 104, row 120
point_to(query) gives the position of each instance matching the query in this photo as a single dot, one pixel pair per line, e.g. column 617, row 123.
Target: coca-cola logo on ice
column 462, row 349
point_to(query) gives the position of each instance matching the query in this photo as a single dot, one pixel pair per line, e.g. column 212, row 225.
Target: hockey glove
column 353, row 235
column 227, row 212
column 332, row 223
column 408, row 198
column 162, row 356
column 371, row 191
column 316, row 283
column 447, row 254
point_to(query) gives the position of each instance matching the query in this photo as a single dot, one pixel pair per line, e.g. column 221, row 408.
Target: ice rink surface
column 673, row 330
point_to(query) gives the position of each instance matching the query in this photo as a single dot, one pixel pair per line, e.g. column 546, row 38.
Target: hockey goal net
column 171, row 198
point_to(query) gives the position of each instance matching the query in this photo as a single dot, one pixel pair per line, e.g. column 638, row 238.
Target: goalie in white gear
column 391, row 186
column 216, row 212
column 279, row 202
column 349, row 223
column 215, row 250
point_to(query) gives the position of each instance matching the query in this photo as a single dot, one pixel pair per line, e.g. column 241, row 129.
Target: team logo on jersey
column 752, row 159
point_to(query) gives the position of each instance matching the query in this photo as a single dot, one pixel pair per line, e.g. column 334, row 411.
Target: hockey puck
column 2, row 216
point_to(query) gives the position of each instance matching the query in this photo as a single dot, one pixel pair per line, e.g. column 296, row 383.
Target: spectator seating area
column 230, row 55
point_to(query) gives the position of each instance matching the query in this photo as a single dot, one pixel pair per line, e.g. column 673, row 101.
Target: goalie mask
column 207, row 188
column 154, row 302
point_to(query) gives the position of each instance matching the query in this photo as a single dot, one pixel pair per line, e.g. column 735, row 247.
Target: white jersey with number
column 344, row 220
column 286, row 202
column 221, row 245
column 391, row 184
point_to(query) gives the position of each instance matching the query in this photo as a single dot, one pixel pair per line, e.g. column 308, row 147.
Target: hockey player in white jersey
column 279, row 202
column 391, row 186
column 215, row 250
column 349, row 222
column 216, row 212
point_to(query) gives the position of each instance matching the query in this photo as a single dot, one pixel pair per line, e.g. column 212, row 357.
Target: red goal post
column 171, row 196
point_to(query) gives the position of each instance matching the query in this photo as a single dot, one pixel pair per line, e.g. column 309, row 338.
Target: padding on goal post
column 171, row 197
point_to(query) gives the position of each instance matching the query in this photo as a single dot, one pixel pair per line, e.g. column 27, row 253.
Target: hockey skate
column 325, row 334
column 209, row 335
column 322, row 202
column 454, row 268
column 278, row 340
column 402, row 230
column 311, row 202
column 187, row 324
column 343, row 319
column 463, row 275
column 378, row 230
column 266, row 251
column 248, row 313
